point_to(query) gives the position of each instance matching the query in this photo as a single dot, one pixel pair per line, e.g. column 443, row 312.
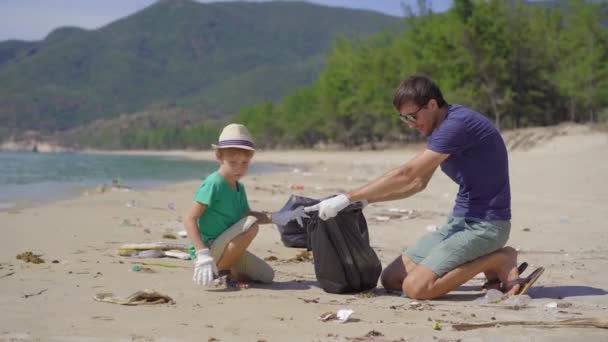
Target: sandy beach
column 560, row 215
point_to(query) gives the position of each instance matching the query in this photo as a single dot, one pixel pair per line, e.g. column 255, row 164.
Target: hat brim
column 243, row 147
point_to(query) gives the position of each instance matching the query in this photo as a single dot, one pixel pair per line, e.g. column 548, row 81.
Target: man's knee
column 418, row 285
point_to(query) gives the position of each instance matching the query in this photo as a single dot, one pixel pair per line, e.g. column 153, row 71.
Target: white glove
column 330, row 207
column 204, row 268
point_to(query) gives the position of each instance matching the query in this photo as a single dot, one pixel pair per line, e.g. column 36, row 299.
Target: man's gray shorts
column 460, row 240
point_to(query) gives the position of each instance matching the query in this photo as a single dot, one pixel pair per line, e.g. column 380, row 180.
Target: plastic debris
column 128, row 249
column 492, row 296
column 552, row 305
column 145, row 297
column 342, row 316
column 382, row 218
column 151, row 253
column 517, row 302
column 436, row 325
column 182, row 234
column 171, row 206
column 177, row 254
column 132, row 204
column 432, row 228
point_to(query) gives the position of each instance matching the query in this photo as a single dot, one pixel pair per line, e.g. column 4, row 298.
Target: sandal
column 520, row 269
column 527, row 282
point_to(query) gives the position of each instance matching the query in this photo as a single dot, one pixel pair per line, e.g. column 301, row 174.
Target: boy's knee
column 253, row 230
column 267, row 276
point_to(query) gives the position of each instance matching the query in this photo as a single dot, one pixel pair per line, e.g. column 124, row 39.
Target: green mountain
column 210, row 59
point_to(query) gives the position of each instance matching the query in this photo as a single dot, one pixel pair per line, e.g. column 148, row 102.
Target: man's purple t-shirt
column 478, row 163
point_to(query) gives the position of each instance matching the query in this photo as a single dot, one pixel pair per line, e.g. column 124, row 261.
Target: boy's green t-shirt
column 225, row 206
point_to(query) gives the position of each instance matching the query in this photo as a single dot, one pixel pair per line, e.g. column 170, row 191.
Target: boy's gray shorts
column 460, row 240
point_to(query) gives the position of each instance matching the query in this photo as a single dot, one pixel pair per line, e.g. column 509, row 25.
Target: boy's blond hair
column 232, row 151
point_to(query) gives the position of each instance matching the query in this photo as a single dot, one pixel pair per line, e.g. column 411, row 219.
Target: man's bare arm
column 401, row 182
column 416, row 186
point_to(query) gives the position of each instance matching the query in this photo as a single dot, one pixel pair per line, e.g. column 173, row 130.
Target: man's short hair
column 418, row 89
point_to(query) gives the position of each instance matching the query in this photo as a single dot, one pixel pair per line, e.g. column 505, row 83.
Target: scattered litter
column 382, row 218
column 171, row 206
column 182, row 234
column 342, row 316
column 367, row 294
column 132, row 204
column 30, row 257
column 143, row 269
column 128, row 223
column 26, row 296
column 432, row 228
column 436, row 325
column 302, row 256
column 552, row 305
column 516, row 302
column 582, row 322
column 296, row 187
column 169, row 236
column 374, row 333
column 492, row 296
column 127, row 249
column 163, row 265
column 145, row 297
column 177, row 254
column 151, row 253
column 526, row 229
column 314, row 300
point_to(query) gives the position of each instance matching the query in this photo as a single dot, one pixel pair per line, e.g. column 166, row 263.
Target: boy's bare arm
column 263, row 216
column 195, row 212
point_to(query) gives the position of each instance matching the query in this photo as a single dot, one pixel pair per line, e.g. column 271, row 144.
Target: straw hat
column 235, row 136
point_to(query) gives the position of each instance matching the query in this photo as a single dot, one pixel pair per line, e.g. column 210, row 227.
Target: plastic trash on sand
column 128, row 249
column 432, row 228
column 177, row 254
column 342, row 316
column 151, row 253
column 491, row 297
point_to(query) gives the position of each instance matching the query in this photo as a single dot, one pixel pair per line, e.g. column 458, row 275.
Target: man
column 471, row 152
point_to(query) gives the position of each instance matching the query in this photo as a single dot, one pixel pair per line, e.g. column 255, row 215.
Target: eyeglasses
column 410, row 117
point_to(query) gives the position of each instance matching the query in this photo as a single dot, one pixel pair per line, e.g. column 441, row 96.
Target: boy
column 220, row 224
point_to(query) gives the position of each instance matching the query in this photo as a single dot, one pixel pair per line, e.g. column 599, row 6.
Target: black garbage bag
column 292, row 234
column 344, row 260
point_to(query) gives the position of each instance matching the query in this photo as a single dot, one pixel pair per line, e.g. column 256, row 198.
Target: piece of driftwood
column 579, row 322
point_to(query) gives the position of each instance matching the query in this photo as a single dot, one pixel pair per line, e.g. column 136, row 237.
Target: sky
column 34, row 19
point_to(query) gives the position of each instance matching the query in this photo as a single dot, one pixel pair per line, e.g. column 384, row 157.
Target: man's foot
column 509, row 273
column 495, row 283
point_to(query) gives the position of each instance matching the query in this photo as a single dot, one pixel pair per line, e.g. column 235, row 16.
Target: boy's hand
column 204, row 268
column 281, row 218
